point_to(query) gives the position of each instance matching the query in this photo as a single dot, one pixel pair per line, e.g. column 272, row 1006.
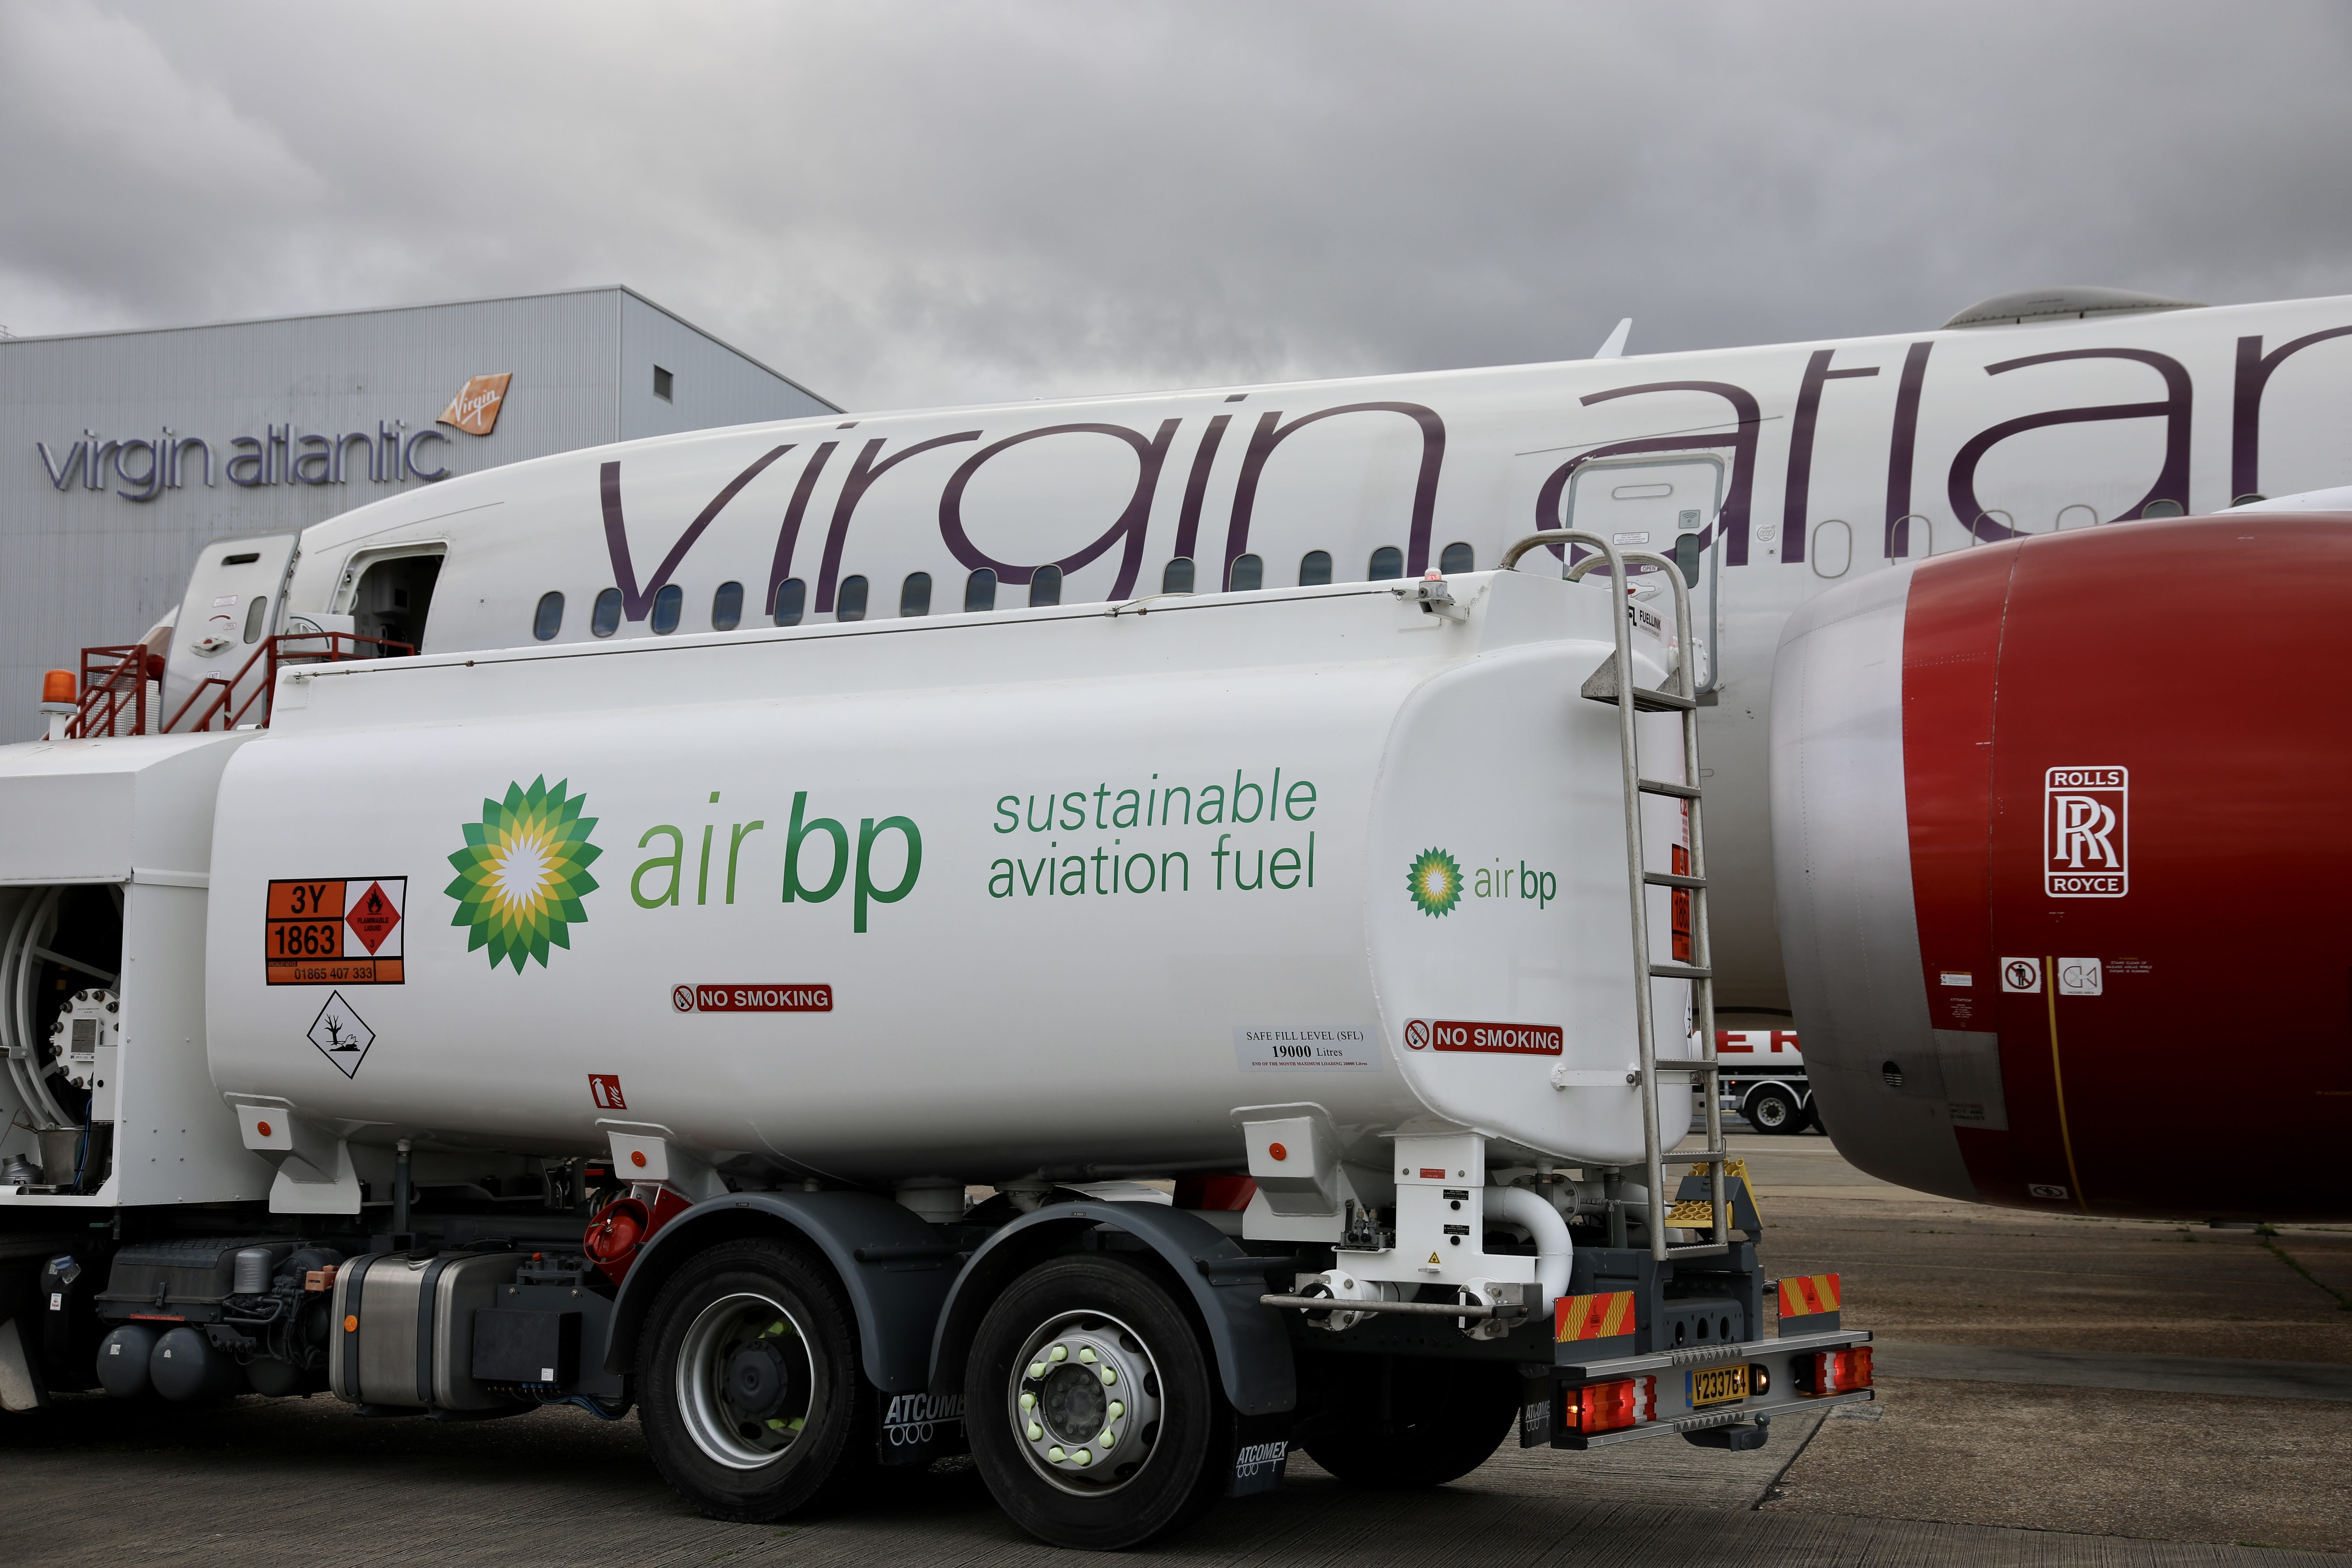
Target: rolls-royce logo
column 475, row 409
column 2086, row 833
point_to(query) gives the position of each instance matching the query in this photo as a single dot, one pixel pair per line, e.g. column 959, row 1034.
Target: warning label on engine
column 1509, row 1040
column 339, row 931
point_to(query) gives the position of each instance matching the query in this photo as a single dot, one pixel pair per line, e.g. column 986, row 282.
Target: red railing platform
column 115, row 682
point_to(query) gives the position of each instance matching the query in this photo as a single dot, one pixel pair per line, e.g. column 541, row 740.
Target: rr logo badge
column 2086, row 833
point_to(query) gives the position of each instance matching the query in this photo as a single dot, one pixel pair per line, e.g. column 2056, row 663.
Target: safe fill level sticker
column 341, row 931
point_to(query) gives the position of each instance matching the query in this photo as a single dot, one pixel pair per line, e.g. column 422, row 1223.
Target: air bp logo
column 2086, row 833
column 523, row 873
column 1434, row 882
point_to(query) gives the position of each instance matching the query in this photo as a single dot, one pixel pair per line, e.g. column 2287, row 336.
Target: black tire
column 1771, row 1107
column 749, row 1387
column 1056, row 1480
column 1414, row 1423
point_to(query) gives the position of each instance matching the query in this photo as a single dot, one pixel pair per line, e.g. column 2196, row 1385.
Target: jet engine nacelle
column 2063, row 849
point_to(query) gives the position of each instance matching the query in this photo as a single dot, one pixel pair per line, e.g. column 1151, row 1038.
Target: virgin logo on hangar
column 2086, row 833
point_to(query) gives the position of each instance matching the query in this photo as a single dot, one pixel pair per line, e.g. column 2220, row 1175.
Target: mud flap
column 20, row 1385
column 917, row 1429
column 1261, row 1454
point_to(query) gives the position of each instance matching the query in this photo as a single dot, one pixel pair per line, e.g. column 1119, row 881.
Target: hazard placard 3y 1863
column 335, row 932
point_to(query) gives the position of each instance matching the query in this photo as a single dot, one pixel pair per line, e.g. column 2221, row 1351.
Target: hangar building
column 126, row 452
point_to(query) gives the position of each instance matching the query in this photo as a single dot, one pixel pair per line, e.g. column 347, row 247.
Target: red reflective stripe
column 1803, row 1295
column 1602, row 1317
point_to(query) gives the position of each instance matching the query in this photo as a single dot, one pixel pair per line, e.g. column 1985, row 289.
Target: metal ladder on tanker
column 1614, row 683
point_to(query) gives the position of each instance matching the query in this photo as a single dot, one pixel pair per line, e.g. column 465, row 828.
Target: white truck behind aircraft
column 626, row 1024
column 1764, row 1078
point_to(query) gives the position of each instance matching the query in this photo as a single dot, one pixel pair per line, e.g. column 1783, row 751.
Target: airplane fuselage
column 1795, row 466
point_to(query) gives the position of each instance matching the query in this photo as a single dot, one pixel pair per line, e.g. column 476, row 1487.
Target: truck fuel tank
column 965, row 895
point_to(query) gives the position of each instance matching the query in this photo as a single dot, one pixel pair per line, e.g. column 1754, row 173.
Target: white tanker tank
column 625, row 1023
column 963, row 899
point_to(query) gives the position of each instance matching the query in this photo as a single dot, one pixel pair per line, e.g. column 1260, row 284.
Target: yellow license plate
column 1717, row 1385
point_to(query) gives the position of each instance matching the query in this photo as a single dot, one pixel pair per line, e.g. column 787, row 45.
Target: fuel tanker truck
column 2060, row 882
column 634, row 1023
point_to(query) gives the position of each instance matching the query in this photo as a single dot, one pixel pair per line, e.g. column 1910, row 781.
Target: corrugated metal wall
column 80, row 566
column 711, row 383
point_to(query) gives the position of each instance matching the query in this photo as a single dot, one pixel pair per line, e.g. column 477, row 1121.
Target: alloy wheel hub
column 1085, row 1401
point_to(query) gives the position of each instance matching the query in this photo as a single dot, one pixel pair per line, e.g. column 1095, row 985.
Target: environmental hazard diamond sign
column 341, row 1035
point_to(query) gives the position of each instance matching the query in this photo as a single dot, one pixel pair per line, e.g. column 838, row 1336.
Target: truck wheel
column 749, row 1386
column 1414, row 1423
column 1092, row 1407
column 1771, row 1109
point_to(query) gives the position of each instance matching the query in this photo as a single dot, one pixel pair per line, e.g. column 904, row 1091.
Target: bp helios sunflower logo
column 523, row 871
column 1434, row 882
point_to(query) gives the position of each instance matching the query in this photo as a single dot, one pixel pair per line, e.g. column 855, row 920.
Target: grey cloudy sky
column 916, row 204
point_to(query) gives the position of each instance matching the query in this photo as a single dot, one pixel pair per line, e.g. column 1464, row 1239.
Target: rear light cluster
column 1835, row 1372
column 1610, row 1406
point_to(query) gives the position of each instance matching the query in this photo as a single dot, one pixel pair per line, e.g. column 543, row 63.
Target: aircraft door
column 1667, row 506
column 232, row 603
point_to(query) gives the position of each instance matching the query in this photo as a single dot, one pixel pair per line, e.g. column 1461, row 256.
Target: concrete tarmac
column 2052, row 1392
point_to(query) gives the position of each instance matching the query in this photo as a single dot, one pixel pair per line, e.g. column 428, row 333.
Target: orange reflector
column 637, row 1157
column 1803, row 1295
column 57, row 686
column 262, row 1128
column 1601, row 1317
column 1277, row 1150
column 351, row 1324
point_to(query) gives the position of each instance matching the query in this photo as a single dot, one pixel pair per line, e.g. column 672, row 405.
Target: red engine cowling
column 2063, row 843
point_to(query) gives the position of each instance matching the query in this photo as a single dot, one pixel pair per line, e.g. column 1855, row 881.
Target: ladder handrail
column 1637, row 886
column 1701, row 940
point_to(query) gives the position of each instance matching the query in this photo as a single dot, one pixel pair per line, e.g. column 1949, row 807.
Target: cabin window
column 1458, row 557
column 1249, row 574
column 2153, row 509
column 979, row 592
column 726, row 607
column 1315, row 568
column 255, row 609
column 1045, row 586
column 1686, row 556
column 668, row 606
column 792, row 599
column 1178, row 577
column 547, row 619
column 606, row 619
column 1388, row 562
column 849, row 604
column 915, row 594
column 662, row 384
